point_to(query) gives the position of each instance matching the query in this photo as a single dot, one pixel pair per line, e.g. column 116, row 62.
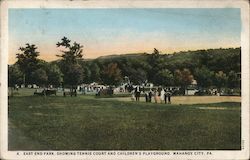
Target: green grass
column 88, row 123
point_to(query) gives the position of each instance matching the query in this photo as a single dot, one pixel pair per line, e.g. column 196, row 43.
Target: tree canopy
column 212, row 67
column 28, row 61
column 72, row 53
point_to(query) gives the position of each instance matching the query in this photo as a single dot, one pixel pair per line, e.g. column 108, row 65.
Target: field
column 89, row 123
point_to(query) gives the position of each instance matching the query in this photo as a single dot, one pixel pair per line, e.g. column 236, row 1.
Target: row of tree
column 213, row 67
column 210, row 68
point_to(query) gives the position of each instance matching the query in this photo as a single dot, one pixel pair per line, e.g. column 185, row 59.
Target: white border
column 243, row 4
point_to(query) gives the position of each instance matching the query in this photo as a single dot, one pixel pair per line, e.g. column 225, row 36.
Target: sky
column 120, row 31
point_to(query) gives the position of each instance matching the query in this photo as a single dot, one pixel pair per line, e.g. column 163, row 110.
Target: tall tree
column 95, row 72
column 164, row 77
column 137, row 76
column 153, row 59
column 54, row 75
column 111, row 74
column 28, row 61
column 204, row 77
column 72, row 71
column 183, row 78
column 233, row 80
column 87, row 74
column 220, row 80
column 74, row 76
column 71, row 52
column 14, row 76
column 40, row 77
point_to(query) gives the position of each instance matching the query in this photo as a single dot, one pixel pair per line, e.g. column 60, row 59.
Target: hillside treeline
column 210, row 68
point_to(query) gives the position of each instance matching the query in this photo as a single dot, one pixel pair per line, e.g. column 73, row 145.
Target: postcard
column 124, row 79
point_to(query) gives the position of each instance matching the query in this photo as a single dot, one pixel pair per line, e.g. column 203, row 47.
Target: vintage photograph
column 124, row 79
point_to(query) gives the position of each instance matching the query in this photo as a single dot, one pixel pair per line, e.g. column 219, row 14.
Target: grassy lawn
column 89, row 123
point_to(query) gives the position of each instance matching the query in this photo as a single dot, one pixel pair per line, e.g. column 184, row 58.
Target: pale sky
column 119, row 31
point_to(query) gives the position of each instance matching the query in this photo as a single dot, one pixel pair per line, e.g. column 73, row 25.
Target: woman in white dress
column 133, row 95
column 162, row 96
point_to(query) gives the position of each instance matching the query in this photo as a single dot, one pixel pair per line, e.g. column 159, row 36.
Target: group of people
column 158, row 95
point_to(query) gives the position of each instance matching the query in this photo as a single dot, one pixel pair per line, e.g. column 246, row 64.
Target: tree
column 39, row 77
column 54, row 75
column 137, row 76
column 87, row 74
column 204, row 76
column 75, row 76
column 72, row 71
column 233, row 80
column 134, row 68
column 153, row 59
column 14, row 76
column 183, row 78
column 111, row 74
column 27, row 60
column 164, row 77
column 71, row 52
column 220, row 79
column 95, row 72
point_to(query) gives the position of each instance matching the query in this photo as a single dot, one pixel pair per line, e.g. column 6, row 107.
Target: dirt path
column 190, row 99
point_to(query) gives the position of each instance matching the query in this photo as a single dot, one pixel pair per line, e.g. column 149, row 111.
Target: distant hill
column 224, row 59
column 128, row 55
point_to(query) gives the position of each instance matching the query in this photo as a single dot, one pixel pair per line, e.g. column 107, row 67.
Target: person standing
column 137, row 93
column 156, row 95
column 162, row 94
column 146, row 97
column 169, row 96
column 165, row 96
column 150, row 95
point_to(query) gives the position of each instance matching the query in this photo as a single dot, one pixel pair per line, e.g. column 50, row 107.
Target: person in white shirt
column 162, row 95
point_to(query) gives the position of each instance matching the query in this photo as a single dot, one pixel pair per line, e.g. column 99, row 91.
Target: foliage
column 111, row 74
column 153, row 60
column 204, row 76
column 39, row 77
column 202, row 64
column 54, row 75
column 95, row 72
column 27, row 61
column 183, row 77
column 155, row 67
column 72, row 53
column 233, row 80
column 74, row 76
column 220, row 79
column 14, row 75
column 87, row 74
column 164, row 77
